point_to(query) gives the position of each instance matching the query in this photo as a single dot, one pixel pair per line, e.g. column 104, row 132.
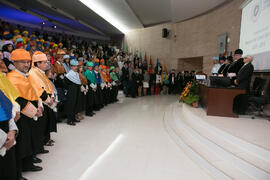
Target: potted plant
column 190, row 94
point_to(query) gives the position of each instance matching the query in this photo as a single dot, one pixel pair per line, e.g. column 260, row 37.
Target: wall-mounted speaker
column 165, row 32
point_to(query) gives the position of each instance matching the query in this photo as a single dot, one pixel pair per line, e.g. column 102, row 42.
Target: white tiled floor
column 124, row 141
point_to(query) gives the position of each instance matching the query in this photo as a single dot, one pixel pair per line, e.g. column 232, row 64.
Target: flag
column 231, row 53
column 140, row 55
column 157, row 66
column 126, row 47
column 164, row 66
column 145, row 58
column 150, row 65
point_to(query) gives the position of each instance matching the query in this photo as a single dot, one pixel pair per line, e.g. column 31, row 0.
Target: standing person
column 98, row 96
column 172, row 83
column 104, row 85
column 140, row 82
column 83, row 94
column 115, row 83
column 90, row 76
column 158, row 83
column 66, row 63
column 30, row 110
column 44, row 90
column 242, row 81
column 146, row 79
column 7, row 49
column 125, row 78
column 179, row 82
column 165, row 82
column 152, row 82
column 134, row 83
column 73, row 84
column 9, row 114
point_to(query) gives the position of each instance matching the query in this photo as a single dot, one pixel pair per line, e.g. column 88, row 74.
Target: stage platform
column 227, row 148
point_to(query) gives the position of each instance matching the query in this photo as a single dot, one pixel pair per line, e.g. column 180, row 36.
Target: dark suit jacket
column 244, row 76
column 236, row 66
column 170, row 79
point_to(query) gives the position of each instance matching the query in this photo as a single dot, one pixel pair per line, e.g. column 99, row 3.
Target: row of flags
column 158, row 65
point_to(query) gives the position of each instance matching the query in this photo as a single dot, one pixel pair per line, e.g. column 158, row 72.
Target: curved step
column 214, row 172
column 231, row 165
column 249, row 152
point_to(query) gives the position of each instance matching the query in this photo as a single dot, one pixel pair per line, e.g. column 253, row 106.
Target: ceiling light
column 96, row 6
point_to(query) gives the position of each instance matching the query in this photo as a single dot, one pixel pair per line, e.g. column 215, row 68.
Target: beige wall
column 194, row 38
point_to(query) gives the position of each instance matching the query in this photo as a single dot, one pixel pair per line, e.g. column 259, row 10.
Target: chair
column 257, row 100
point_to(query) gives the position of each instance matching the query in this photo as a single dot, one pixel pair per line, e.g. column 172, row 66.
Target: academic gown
column 8, row 162
column 44, row 89
column 82, row 96
column 73, row 91
column 27, row 139
column 90, row 76
column 98, row 95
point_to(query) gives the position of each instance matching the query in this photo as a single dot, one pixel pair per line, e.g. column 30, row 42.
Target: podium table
column 218, row 101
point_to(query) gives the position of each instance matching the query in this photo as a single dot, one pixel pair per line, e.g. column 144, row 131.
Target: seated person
column 232, row 72
column 236, row 64
column 227, row 63
column 222, row 64
column 216, row 66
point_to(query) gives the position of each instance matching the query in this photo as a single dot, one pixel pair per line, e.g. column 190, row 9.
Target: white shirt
column 215, row 68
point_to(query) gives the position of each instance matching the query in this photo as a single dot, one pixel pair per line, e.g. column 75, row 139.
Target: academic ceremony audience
column 46, row 78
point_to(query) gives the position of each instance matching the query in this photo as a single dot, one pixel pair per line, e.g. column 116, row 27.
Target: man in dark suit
column 242, row 81
column 245, row 73
column 172, row 82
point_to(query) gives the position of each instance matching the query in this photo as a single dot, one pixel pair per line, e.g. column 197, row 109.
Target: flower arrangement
column 190, row 93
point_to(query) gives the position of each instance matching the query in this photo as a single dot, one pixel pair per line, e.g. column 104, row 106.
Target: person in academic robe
column 109, row 85
column 90, row 101
column 242, row 81
column 44, row 89
column 9, row 114
column 179, row 82
column 222, row 64
column 98, row 96
column 83, row 93
column 8, row 128
column 104, row 85
column 227, row 64
column 236, row 65
column 66, row 63
column 115, row 83
column 31, row 109
column 59, row 69
column 73, row 86
column 232, row 71
column 215, row 67
column 6, row 51
column 172, row 83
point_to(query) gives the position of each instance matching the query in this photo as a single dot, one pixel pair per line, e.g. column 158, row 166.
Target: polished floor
column 124, row 141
